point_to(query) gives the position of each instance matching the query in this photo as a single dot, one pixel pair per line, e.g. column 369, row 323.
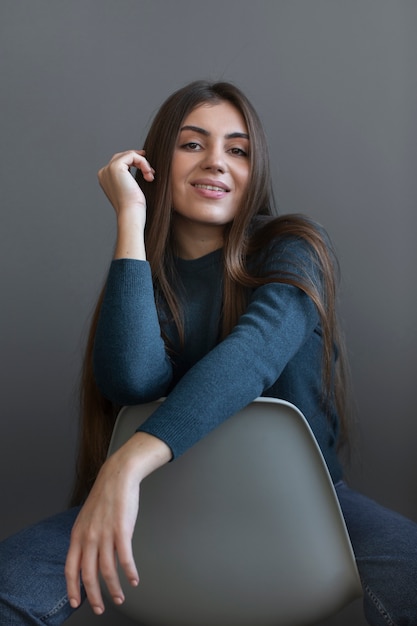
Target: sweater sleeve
column 130, row 362
column 278, row 320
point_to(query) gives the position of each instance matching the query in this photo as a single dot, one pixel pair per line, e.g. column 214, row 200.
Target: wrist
column 130, row 242
column 142, row 454
column 132, row 216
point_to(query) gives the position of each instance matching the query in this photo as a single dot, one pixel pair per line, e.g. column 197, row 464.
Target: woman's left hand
column 102, row 533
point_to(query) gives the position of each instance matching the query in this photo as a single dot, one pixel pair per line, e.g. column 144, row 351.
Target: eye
column 192, row 146
column 238, row 152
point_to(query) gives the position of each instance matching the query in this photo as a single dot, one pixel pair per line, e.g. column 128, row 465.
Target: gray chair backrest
column 243, row 530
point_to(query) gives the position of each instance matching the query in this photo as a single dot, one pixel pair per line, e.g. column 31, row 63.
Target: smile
column 209, row 187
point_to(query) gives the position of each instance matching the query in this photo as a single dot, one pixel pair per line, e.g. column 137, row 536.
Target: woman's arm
column 279, row 320
column 128, row 201
column 103, row 530
column 130, row 361
column 104, row 527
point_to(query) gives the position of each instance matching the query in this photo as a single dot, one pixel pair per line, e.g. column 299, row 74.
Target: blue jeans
column 33, row 591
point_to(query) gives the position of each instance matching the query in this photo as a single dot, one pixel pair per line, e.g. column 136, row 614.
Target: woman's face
column 210, row 166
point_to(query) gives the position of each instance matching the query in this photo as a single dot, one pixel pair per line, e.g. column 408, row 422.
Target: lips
column 210, row 185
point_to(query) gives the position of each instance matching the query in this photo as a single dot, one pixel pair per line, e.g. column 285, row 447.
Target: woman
column 211, row 302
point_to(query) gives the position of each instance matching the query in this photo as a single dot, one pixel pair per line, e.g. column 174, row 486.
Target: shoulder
column 290, row 228
column 288, row 238
column 293, row 249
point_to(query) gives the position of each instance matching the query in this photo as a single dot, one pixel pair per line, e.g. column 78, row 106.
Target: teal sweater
column 275, row 350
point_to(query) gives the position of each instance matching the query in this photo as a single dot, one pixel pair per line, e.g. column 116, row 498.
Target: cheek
column 179, row 163
column 174, row 169
column 176, row 177
column 244, row 179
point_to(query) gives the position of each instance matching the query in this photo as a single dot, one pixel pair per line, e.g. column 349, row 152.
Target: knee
column 390, row 588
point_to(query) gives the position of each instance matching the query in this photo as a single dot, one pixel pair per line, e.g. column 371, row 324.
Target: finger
column 108, row 569
column 72, row 575
column 147, row 170
column 127, row 561
column 136, row 158
column 126, row 153
column 90, row 578
column 131, row 158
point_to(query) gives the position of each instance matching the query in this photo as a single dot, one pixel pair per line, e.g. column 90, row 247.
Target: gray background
column 335, row 84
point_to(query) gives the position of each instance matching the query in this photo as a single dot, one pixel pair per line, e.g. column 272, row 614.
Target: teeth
column 210, row 187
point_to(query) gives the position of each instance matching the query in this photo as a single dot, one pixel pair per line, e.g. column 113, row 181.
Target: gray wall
column 335, row 85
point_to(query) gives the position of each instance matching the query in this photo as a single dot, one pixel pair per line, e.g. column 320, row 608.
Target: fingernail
column 118, row 600
column 134, row 582
column 74, row 603
column 98, row 610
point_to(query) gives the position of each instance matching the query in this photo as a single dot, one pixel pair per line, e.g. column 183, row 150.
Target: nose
column 214, row 159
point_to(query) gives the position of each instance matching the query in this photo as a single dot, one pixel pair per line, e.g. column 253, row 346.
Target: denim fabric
column 385, row 546
column 33, row 590
column 32, row 582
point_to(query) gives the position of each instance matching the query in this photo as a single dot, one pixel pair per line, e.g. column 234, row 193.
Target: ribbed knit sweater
column 275, row 350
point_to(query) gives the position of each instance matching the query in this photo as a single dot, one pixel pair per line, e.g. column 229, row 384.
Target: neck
column 193, row 241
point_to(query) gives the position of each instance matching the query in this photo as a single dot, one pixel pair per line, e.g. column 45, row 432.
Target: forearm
column 236, row 371
column 130, row 242
column 128, row 201
column 130, row 362
column 106, row 522
column 141, row 455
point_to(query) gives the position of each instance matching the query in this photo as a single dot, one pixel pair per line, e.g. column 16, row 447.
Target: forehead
column 222, row 117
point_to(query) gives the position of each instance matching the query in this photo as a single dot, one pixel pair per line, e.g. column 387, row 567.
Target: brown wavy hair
column 253, row 229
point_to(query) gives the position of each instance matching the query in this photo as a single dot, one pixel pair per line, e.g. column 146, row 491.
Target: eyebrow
column 203, row 131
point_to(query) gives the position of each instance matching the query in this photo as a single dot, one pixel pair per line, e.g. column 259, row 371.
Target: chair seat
column 243, row 530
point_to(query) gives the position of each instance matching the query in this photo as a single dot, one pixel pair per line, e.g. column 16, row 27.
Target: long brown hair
column 252, row 230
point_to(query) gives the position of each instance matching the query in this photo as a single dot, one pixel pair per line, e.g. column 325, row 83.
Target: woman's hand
column 119, row 185
column 102, row 533
column 128, row 201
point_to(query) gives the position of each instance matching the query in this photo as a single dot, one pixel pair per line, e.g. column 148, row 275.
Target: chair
column 243, row 530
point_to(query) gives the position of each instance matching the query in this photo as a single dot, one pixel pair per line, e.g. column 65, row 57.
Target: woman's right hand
column 128, row 201
column 119, row 185
column 102, row 533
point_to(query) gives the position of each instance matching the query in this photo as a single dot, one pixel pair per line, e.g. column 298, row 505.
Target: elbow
column 127, row 386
